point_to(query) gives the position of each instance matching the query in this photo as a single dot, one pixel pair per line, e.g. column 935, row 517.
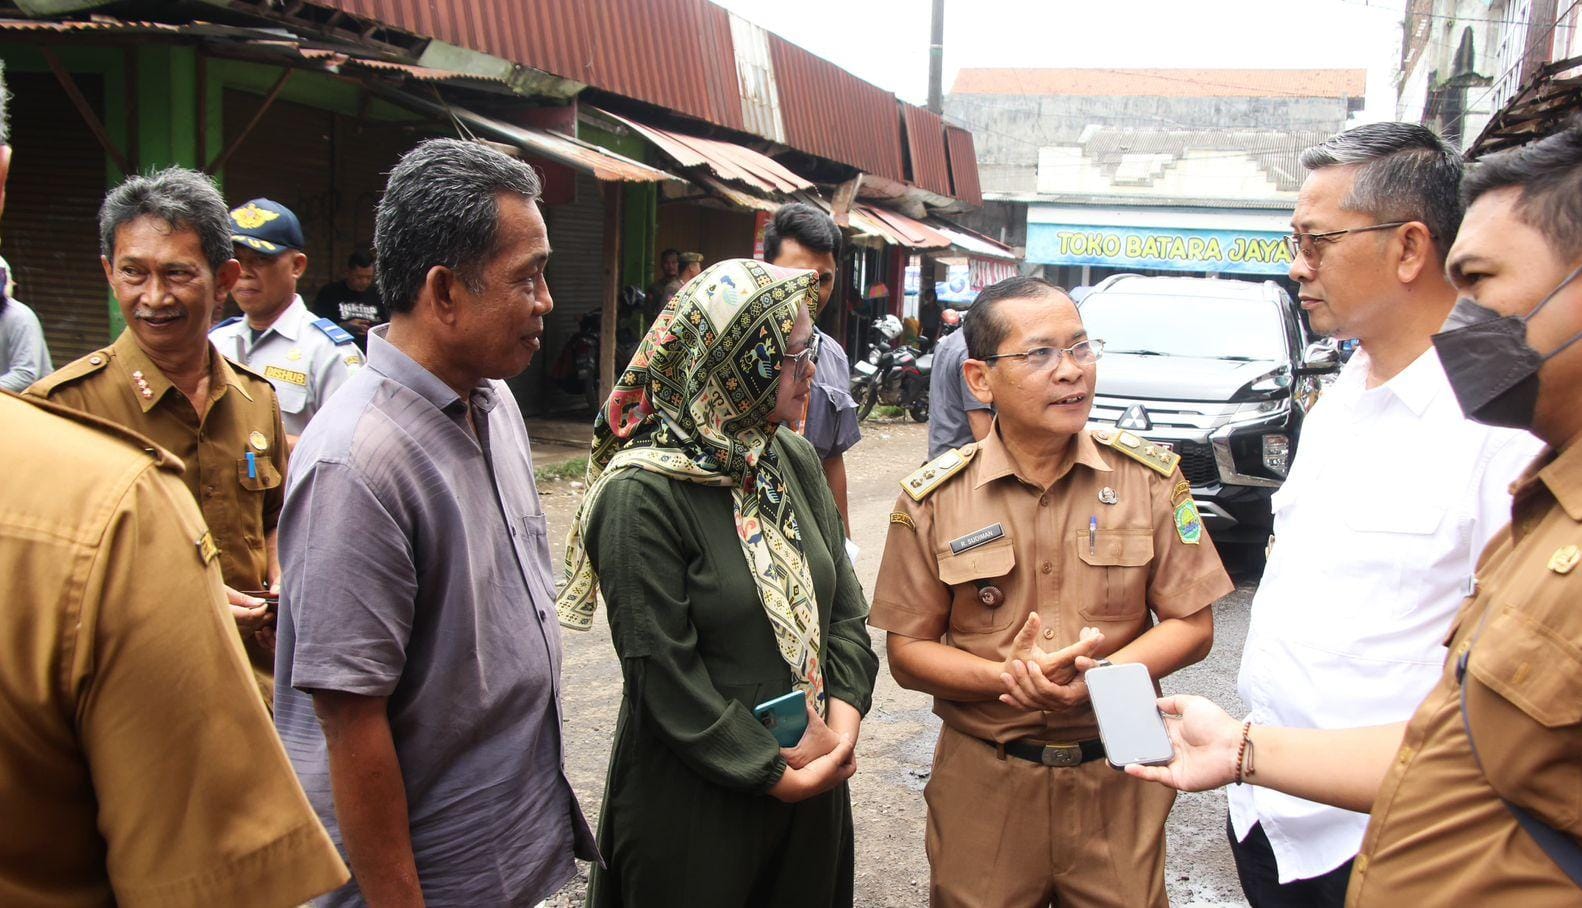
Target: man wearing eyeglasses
column 1391, row 497
column 1007, row 559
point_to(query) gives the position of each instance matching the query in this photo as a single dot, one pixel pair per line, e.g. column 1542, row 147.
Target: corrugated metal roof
column 341, row 61
column 896, row 228
column 963, row 165
column 755, row 74
column 102, row 24
column 601, row 163
column 673, row 53
column 1166, row 83
column 724, row 159
column 865, row 134
column 974, row 244
column 925, row 145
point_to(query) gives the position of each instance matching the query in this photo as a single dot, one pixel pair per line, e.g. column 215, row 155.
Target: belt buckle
column 1061, row 755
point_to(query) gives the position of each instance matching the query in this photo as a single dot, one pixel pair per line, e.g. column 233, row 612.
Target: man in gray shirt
column 955, row 416
column 418, row 665
column 801, row 236
column 24, row 357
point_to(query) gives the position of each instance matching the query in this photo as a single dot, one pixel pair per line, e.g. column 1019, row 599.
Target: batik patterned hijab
column 693, row 405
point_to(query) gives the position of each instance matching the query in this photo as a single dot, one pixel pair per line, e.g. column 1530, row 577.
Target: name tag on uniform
column 976, row 538
column 286, row 375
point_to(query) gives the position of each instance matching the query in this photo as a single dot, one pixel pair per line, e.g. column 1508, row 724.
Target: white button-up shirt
column 1377, row 532
column 303, row 360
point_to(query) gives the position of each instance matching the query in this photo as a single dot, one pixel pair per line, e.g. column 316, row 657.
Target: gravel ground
column 898, row 735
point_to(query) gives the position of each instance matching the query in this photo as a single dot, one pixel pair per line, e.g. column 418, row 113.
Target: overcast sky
column 886, row 41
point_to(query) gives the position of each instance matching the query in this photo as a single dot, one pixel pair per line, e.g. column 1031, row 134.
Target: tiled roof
column 1164, row 83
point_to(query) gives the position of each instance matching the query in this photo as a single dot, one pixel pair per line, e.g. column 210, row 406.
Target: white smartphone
column 1129, row 721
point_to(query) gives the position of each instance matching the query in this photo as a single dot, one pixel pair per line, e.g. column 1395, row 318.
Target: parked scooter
column 891, row 373
column 576, row 370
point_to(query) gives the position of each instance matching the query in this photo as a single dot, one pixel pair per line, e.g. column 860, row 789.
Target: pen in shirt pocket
column 252, row 465
column 1093, row 535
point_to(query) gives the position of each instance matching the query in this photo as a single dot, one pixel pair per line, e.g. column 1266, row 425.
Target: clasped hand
column 1035, row 679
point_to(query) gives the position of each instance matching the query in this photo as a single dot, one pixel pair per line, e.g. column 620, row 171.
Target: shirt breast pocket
column 1117, row 563
column 985, row 566
column 261, row 476
column 1392, row 538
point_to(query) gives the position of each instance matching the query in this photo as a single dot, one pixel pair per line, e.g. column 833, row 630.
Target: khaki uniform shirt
column 136, row 767
column 240, row 500
column 1439, row 831
column 1041, row 560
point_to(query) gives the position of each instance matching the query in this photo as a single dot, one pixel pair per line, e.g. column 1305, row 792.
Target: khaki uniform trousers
column 1004, row 832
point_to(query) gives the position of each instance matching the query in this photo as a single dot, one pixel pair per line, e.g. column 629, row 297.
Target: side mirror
column 1319, row 358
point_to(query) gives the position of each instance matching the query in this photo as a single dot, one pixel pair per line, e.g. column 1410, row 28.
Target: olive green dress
column 686, row 818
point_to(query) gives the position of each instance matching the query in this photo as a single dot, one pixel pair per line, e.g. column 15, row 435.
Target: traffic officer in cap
column 167, row 257
column 306, row 358
column 1007, row 560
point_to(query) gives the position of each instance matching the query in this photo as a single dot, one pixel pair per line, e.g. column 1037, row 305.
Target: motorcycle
column 576, row 370
column 892, row 373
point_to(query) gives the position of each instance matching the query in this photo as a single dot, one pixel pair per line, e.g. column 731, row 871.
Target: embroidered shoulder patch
column 1189, row 525
column 902, row 519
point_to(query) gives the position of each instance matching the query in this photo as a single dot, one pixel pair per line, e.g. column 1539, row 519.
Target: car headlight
column 1277, row 453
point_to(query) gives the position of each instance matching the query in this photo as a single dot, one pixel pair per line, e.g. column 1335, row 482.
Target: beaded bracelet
column 1244, row 754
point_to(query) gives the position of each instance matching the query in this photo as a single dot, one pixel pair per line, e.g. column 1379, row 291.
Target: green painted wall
column 640, row 208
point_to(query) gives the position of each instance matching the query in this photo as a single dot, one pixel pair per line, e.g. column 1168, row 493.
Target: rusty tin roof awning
column 1538, row 108
column 895, row 228
column 738, row 174
column 601, row 163
column 974, row 245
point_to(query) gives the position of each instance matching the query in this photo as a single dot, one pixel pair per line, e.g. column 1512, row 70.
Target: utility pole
column 936, row 57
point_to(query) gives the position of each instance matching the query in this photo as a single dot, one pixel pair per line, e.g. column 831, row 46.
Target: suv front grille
column 1197, row 463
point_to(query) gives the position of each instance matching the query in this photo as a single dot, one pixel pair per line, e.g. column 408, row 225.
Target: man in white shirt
column 304, row 357
column 1391, row 498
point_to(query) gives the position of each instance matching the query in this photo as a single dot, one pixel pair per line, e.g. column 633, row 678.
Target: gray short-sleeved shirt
column 24, row 357
column 417, row 567
column 832, row 424
column 949, row 399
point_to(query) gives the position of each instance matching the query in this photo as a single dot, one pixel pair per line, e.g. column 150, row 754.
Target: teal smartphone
column 785, row 717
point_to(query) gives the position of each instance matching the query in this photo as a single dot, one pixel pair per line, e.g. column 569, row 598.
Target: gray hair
column 440, row 208
column 182, row 198
column 1405, row 173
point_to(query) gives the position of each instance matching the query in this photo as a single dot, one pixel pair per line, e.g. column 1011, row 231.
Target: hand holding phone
column 785, row 717
column 1130, row 725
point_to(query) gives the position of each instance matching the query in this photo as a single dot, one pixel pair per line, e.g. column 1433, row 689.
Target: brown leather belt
column 1053, row 754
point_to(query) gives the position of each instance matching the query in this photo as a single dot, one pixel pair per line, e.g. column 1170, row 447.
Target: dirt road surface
column 898, row 736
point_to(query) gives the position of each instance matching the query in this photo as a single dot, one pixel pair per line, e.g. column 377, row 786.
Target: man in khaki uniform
column 135, row 768
column 1007, row 559
column 1481, row 795
column 162, row 378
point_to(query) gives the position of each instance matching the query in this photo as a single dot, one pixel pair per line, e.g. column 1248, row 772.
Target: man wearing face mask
column 1355, row 634
column 1478, row 795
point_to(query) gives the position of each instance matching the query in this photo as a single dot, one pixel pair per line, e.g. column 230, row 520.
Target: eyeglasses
column 807, row 359
column 1085, row 353
column 1306, row 244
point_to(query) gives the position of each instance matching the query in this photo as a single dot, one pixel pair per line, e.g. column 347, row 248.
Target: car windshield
column 1157, row 325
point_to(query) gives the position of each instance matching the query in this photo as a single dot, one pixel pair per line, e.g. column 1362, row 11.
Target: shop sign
column 1159, row 248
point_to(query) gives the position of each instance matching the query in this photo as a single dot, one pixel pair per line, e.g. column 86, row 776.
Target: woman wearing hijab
column 719, row 554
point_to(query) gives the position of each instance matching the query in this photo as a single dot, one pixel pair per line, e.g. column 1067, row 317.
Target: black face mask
column 1491, row 367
